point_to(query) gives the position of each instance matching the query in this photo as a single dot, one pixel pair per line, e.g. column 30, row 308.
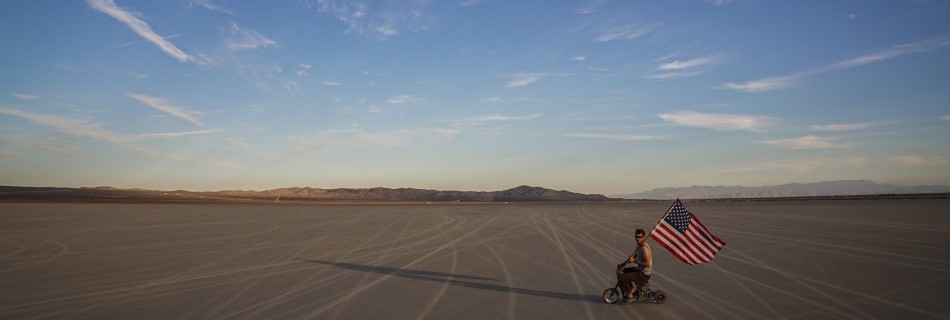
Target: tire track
column 365, row 287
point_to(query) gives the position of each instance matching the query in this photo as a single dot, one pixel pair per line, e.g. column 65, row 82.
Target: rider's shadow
column 457, row 280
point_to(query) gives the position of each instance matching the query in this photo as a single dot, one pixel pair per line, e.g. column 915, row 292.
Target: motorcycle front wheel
column 611, row 296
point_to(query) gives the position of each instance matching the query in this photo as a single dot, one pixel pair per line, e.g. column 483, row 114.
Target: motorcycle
column 643, row 292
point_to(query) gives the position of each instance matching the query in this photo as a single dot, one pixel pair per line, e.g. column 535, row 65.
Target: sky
column 593, row 96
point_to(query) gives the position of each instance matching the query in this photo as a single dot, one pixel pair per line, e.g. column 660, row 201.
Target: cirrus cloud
column 399, row 99
column 523, row 79
column 162, row 105
column 628, row 32
column 679, row 65
column 25, row 96
column 764, row 84
column 359, row 138
column 719, row 121
column 808, row 142
column 779, row 82
column 494, row 118
column 616, row 137
column 139, row 26
column 842, row 127
column 242, row 39
column 909, row 160
column 88, row 129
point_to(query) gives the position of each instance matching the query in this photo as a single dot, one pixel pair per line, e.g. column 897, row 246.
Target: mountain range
column 520, row 193
column 110, row 194
column 825, row 188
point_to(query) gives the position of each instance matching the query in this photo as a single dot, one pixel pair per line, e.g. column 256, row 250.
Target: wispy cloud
column 628, row 32
column 719, row 121
column 808, row 142
column 132, row 43
column 945, row 118
column 87, row 129
column 478, row 121
column 68, row 125
column 683, row 69
column 303, row 71
column 56, row 145
column 908, row 160
column 139, row 27
column 207, row 4
column 498, row 117
column 673, row 75
column 616, row 137
column 718, row 2
column 803, row 166
column 399, row 99
column 25, row 96
column 842, row 127
column 400, row 137
column 779, row 82
column 166, row 135
column 469, row 3
column 679, row 65
column 764, row 84
column 522, row 79
column 590, row 8
column 162, row 105
column 359, row 138
column 362, row 18
column 242, row 39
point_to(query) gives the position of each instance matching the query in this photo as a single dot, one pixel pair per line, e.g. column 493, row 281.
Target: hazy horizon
column 605, row 97
column 822, row 188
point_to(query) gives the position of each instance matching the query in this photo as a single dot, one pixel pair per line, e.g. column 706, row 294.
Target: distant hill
column 109, row 194
column 520, row 193
column 825, row 188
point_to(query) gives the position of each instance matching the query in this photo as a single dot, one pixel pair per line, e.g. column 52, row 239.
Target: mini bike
column 643, row 292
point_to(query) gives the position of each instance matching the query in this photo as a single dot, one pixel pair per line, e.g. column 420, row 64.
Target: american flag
column 685, row 237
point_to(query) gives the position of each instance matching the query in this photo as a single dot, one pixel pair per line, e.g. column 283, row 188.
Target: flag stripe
column 672, row 238
column 701, row 240
column 668, row 248
column 662, row 237
column 702, row 247
column 673, row 251
column 715, row 241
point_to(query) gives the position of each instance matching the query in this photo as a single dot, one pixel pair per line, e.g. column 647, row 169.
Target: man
column 643, row 257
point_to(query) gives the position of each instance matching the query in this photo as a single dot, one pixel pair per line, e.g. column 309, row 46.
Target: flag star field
column 678, row 217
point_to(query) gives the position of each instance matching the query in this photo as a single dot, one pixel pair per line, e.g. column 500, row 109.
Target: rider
column 643, row 257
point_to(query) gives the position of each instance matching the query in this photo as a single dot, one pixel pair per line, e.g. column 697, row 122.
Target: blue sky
column 588, row 96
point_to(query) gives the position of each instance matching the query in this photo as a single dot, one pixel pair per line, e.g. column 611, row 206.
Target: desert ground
column 843, row 259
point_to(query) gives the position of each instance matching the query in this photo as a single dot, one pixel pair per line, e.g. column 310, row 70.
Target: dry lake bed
column 841, row 259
